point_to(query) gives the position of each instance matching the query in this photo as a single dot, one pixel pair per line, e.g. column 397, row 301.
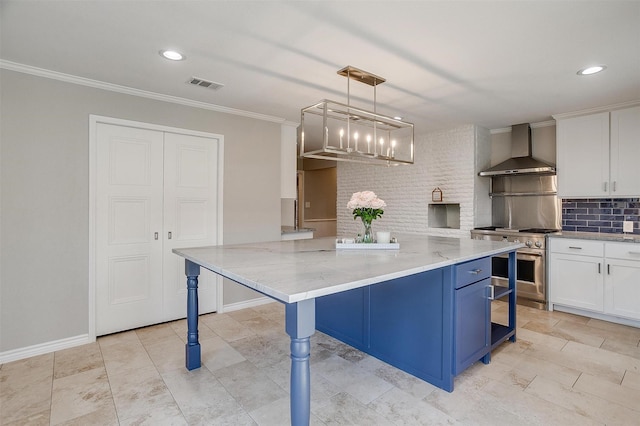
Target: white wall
column 449, row 160
column 44, row 191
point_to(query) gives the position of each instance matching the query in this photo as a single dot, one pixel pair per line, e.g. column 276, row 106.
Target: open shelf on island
column 500, row 333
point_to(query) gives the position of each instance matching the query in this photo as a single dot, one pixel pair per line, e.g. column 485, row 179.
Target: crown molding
column 537, row 125
column 68, row 78
column 607, row 108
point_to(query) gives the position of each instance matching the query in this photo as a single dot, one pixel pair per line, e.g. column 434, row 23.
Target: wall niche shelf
column 444, row 216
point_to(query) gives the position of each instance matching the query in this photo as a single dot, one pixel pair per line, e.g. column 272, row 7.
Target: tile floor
column 563, row 370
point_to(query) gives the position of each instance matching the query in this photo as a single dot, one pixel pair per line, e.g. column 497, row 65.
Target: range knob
column 528, row 243
column 515, row 240
column 538, row 244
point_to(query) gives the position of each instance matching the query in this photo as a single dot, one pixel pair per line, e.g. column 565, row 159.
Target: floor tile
column 631, row 380
column 249, row 385
column 80, row 395
column 582, row 403
column 200, row 396
column 563, row 369
column 137, row 393
column 404, row 409
column 343, row 409
column 617, row 394
column 76, row 360
column 26, row 389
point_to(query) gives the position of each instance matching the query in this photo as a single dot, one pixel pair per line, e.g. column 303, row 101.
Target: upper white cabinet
column 625, row 152
column 598, row 154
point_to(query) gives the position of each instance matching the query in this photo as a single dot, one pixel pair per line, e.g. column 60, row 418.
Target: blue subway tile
column 588, row 217
column 587, row 229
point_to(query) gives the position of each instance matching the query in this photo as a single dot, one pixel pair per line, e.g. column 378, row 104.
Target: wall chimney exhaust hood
column 521, row 161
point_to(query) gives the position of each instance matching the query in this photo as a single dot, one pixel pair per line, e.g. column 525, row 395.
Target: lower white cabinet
column 597, row 276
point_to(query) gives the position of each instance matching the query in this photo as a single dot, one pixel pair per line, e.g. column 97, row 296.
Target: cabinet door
column 625, row 152
column 622, row 288
column 576, row 281
column 472, row 324
column 583, row 156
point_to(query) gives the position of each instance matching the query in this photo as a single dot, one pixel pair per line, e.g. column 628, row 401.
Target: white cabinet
column 622, row 288
column 575, row 274
column 625, row 152
column 602, row 277
column 597, row 154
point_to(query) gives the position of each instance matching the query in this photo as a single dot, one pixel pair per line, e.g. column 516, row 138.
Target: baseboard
column 597, row 315
column 43, row 348
column 70, row 342
column 247, row 304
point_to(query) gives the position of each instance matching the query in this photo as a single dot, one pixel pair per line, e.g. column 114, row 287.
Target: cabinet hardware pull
column 575, row 248
column 475, row 271
column 492, row 294
column 614, row 186
column 599, row 271
column 608, row 269
column 605, row 186
column 634, row 252
column 155, row 235
column 169, row 235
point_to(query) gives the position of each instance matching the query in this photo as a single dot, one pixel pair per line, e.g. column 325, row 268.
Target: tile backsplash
column 600, row 215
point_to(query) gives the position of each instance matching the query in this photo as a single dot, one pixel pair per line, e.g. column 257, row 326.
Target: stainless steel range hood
column 521, row 161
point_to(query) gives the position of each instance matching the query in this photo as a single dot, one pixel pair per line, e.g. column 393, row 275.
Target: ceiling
column 446, row 63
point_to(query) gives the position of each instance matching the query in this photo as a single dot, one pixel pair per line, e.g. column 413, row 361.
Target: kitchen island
column 444, row 281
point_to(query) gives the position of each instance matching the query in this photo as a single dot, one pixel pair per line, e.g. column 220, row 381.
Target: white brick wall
column 449, row 160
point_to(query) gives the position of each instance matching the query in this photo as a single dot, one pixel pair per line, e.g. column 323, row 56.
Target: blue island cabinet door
column 411, row 325
column 472, row 324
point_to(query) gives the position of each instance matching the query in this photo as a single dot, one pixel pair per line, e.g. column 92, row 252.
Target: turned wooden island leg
column 300, row 325
column 192, row 348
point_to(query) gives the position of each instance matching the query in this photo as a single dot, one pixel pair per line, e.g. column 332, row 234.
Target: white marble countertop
column 292, row 271
column 600, row 236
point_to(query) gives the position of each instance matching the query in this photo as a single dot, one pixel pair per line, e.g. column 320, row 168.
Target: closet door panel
column 128, row 215
column 190, row 199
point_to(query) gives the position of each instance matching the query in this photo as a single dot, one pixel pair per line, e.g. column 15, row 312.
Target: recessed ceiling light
column 172, row 55
column 592, row 70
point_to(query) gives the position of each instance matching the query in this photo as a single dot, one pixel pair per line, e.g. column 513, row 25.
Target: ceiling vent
column 205, row 83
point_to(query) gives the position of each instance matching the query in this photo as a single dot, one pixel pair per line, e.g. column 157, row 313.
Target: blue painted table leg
column 512, row 272
column 192, row 348
column 300, row 325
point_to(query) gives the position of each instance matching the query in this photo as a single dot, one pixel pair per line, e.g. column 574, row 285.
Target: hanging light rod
column 335, row 131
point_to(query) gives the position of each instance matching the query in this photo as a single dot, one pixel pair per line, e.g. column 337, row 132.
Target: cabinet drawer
column 580, row 247
column 627, row 251
column 470, row 272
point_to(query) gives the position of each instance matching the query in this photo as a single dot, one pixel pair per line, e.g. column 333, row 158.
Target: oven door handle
column 523, row 256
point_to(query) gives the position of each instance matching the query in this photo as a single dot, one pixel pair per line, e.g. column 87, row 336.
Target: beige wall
column 320, row 192
column 44, row 194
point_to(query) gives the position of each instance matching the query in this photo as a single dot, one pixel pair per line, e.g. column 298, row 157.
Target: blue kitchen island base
column 432, row 325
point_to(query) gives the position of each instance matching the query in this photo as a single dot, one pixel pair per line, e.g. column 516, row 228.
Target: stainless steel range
column 531, row 282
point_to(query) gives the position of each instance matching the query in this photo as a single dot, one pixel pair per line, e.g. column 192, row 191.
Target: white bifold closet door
column 155, row 191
